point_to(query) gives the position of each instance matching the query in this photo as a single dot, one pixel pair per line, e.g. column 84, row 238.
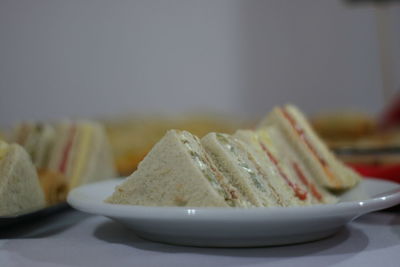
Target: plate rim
column 50, row 208
column 354, row 208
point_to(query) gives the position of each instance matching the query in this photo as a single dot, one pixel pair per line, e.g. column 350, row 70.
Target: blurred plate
column 11, row 220
column 237, row 227
column 367, row 151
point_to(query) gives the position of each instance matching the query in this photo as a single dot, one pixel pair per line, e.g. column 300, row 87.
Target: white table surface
column 72, row 238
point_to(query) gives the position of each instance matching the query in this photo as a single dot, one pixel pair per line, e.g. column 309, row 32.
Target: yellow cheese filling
column 264, row 136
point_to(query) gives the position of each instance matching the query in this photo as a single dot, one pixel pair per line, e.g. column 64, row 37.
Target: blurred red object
column 387, row 172
column 391, row 115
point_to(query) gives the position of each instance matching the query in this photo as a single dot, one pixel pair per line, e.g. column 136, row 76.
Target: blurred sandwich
column 343, row 128
column 20, row 189
column 37, row 139
column 66, row 154
column 81, row 152
column 359, row 139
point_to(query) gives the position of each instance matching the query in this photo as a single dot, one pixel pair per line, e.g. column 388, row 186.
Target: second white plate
column 237, row 227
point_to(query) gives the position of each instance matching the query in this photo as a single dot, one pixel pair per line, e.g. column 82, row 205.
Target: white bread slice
column 20, row 189
column 329, row 171
column 175, row 173
column 236, row 161
column 296, row 175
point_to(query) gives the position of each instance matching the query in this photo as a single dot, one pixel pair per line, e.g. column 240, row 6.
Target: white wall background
column 96, row 57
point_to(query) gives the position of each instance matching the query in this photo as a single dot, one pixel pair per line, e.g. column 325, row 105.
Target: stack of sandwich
column 66, row 154
column 281, row 163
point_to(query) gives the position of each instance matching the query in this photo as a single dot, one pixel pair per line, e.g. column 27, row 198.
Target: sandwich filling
column 260, row 139
column 286, row 152
column 248, row 164
column 300, row 174
column 216, row 179
column 66, row 152
column 255, row 177
column 306, row 140
column 82, row 155
column 298, row 191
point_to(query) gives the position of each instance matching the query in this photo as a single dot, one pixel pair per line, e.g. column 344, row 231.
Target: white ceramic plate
column 237, row 227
